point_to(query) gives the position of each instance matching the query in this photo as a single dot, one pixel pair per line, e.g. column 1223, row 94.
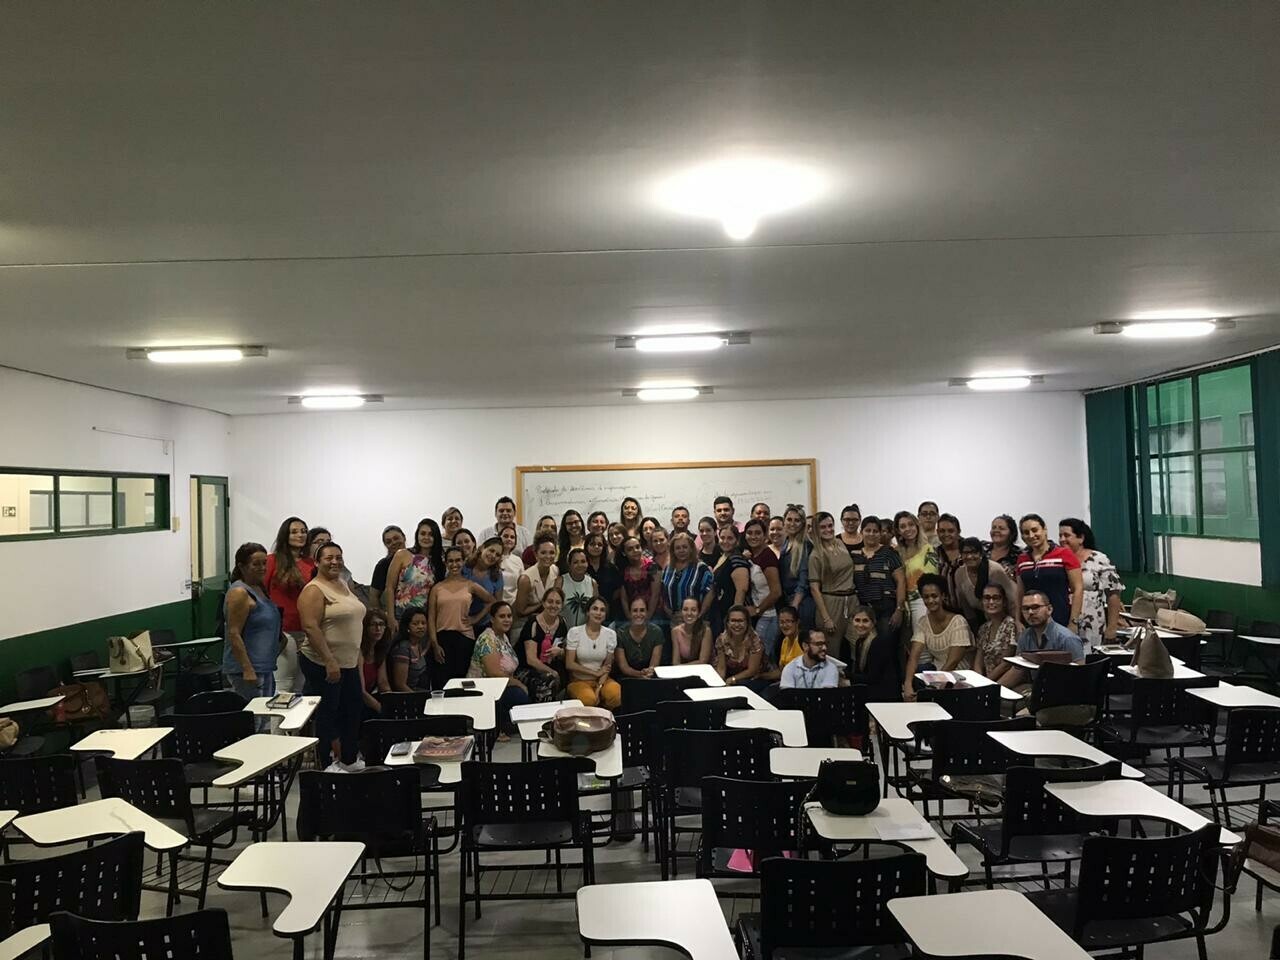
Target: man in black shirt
column 393, row 540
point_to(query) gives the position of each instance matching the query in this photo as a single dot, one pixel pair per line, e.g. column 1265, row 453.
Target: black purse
column 847, row 788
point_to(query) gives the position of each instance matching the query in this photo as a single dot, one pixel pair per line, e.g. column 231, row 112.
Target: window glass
column 135, row 502
column 1229, row 495
column 1171, row 417
column 1176, row 477
column 1226, row 397
column 26, row 504
column 84, row 503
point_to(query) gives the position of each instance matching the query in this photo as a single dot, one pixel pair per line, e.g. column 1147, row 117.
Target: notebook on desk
column 443, row 749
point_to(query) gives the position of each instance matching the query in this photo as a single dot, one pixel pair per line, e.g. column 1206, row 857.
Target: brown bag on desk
column 580, row 730
column 1150, row 656
column 81, row 701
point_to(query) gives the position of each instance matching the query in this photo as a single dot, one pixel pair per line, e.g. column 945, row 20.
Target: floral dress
column 996, row 639
column 1100, row 580
column 416, row 580
column 489, row 642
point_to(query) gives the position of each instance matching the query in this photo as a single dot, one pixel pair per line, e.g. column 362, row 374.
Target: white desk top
column 540, row 711
column 943, row 926
column 789, row 723
column 799, row 763
column 892, row 813
column 450, row 770
column 1056, row 743
column 1265, row 641
column 294, row 718
column 754, row 700
column 126, row 744
column 480, row 709
column 1180, row 672
column 25, row 939
column 198, row 642
column 256, row 754
column 97, row 818
column 1229, row 695
column 1130, row 798
column 608, row 761
column 106, row 673
column 89, row 672
column 682, row 914
column 1162, row 633
column 310, row 874
column 1022, row 662
column 975, row 679
column 489, row 686
column 22, row 706
column 7, row 817
column 895, row 719
column 704, row 670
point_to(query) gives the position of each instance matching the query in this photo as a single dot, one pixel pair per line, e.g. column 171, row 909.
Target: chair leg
column 475, row 879
column 435, row 877
column 173, row 885
column 204, row 874
column 462, row 907
column 1200, row 947
column 262, row 896
column 559, row 878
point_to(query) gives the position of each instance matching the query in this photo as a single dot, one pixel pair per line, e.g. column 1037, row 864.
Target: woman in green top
column 640, row 643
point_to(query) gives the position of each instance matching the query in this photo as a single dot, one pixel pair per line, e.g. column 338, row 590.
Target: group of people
column 577, row 604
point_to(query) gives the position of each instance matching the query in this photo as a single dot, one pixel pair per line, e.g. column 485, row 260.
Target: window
column 38, row 505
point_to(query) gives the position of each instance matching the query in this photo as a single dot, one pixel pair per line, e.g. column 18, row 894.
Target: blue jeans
column 339, row 712
column 511, row 697
column 265, row 686
column 767, row 631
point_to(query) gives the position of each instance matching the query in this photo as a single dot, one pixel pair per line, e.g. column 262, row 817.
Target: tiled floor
column 543, row 930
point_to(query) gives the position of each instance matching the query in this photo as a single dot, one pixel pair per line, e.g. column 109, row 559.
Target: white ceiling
column 450, row 204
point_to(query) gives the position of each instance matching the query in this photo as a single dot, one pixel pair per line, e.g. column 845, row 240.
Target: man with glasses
column 812, row 670
column 1042, row 635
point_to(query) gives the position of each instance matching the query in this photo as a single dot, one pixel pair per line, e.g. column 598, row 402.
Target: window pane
column 135, row 502
column 26, row 504
column 1230, row 495
column 1169, row 416
column 1226, row 399
column 1173, row 495
column 84, row 503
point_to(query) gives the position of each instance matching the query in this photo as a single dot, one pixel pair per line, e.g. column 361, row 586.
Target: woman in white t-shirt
column 589, row 651
column 942, row 639
column 511, row 564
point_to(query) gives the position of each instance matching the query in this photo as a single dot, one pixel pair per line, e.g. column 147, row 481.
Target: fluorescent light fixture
column 1163, row 329
column 667, row 394
column 194, row 354
column 738, row 192
column 336, row 401
column 989, row 384
column 697, row 343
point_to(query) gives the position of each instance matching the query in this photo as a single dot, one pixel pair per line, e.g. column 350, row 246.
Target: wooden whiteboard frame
column 809, row 462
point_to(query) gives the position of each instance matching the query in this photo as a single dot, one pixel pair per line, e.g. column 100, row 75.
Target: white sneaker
column 353, row 767
column 335, row 767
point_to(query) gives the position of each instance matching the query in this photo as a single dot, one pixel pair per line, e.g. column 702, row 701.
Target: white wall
column 1230, row 561
column 50, row 424
column 356, row 472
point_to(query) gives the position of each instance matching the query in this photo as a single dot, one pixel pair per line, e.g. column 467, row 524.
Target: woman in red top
column 1052, row 569
column 289, row 569
column 375, row 641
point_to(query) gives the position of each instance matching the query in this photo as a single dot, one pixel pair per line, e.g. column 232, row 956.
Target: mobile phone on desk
column 402, row 749
column 468, row 684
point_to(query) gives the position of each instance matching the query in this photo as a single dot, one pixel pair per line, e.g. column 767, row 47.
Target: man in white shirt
column 504, row 512
column 812, row 670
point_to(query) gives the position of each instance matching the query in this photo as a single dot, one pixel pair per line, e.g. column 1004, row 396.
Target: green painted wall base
column 1200, row 596
column 56, row 647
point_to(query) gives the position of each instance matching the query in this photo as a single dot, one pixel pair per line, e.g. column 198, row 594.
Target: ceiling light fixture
column 1163, row 329
column 698, row 343
column 667, row 394
column 336, row 401
column 989, row 384
column 194, row 354
column 738, row 192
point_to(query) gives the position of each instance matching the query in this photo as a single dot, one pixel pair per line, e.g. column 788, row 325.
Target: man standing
column 722, row 508
column 393, row 540
column 1043, row 635
column 812, row 670
column 504, row 512
column 679, row 520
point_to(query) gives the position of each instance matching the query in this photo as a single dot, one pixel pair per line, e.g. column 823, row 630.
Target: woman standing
column 948, row 552
column 647, row 526
column 602, row 570
column 686, row 577
column 731, row 579
column 542, row 644
column 1100, row 584
column 413, row 571
column 851, row 528
column 638, row 578
column 329, row 658
column 660, row 550
column 451, row 523
column 691, row 639
column 588, row 659
column 577, row 588
column 708, row 542
column 449, row 619
column 1004, row 548
column 777, row 536
column 793, row 565
column 465, row 541
column 375, row 642
column 510, row 564
column 640, row 644
column 253, row 627
column 941, row 639
column 998, row 635
column 485, row 570
column 629, row 516
column 289, row 569
column 573, row 534
column 972, row 577
column 739, row 652
column 408, row 664
column 879, row 581
column 873, row 660
column 831, row 583
column 494, row 657
column 597, row 522
column 766, row 586
column 1050, row 568
column 917, row 557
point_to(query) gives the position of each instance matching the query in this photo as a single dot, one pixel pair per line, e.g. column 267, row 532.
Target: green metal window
column 45, row 504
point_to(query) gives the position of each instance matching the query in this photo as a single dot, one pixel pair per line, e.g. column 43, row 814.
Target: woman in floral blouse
column 998, row 635
column 1100, row 612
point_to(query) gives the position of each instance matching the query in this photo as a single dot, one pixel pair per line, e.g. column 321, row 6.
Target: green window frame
column 60, row 508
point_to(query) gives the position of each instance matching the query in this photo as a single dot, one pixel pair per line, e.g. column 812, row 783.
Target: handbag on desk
column 579, row 731
column 847, row 788
column 130, row 654
column 1146, row 605
column 1150, row 656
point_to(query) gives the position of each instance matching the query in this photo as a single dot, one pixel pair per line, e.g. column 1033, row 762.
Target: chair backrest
column 1253, row 735
column 1126, row 878
column 686, row 714
column 1161, row 702
column 763, row 816
column 35, row 784
column 690, row 755
column 196, row 736
column 156, row 787
column 1070, row 685
column 103, row 882
column 202, row 935
column 540, row 792
column 89, row 660
column 962, row 747
column 403, row 706
column 1186, row 649
column 637, row 733
column 35, row 682
column 379, row 736
column 965, row 703
column 639, row 694
column 1030, row 810
column 381, row 808
column 1220, row 620
column 835, row 903
column 213, row 701
column 829, row 712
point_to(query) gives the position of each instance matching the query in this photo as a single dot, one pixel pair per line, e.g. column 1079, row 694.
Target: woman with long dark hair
column 629, row 515
column 253, row 627
column 449, row 618
column 1052, row 569
column 413, row 571
column 1003, row 547
column 976, row 570
column 708, row 542
column 573, row 533
column 375, row 642
column 289, row 569
column 1100, row 610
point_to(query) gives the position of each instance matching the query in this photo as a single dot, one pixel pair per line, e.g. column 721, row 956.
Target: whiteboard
column 660, row 487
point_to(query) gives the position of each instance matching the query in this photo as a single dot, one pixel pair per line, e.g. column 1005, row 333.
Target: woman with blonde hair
column 918, row 558
column 831, row 582
column 793, row 565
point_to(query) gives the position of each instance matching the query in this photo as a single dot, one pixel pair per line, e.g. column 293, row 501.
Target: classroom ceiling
column 453, row 204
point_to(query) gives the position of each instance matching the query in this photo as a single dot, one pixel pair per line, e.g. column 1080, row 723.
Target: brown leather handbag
column 81, row 701
column 580, row 730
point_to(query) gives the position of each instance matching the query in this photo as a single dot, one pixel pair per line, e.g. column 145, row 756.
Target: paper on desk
column 905, row 831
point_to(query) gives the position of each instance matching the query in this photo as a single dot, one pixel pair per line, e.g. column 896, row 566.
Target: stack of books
column 443, row 749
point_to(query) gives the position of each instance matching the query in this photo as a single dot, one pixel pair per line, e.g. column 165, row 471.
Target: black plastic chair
column 383, row 810
column 829, row 908
column 763, row 817
column 641, row 695
column 965, row 703
column 195, row 738
column 1163, row 715
column 1059, row 685
column 1036, row 827
column 160, row 789
column 203, row 935
column 403, row 706
column 213, row 701
column 505, row 807
column 1137, row 891
column 966, row 764
column 36, row 784
column 686, row 714
column 1184, row 648
column 830, row 713
column 637, row 731
column 1250, row 758
column 377, row 737
column 103, row 882
column 35, row 682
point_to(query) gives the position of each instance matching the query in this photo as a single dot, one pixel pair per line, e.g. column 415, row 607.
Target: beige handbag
column 1180, row 620
column 1146, row 605
column 1150, row 656
column 130, row 654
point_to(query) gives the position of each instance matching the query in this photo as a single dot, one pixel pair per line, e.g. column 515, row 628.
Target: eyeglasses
column 995, row 599
column 1032, row 607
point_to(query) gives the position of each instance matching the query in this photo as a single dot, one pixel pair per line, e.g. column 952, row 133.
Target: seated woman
column 873, row 660
column 494, row 657
column 790, row 645
column 691, row 639
column 375, row 640
column 542, row 645
column 640, row 645
column 942, row 639
column 740, row 652
column 588, row 659
column 407, row 659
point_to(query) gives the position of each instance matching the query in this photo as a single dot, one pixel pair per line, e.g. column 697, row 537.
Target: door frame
column 196, row 481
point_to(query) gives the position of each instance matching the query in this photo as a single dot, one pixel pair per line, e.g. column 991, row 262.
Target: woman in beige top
column 831, row 581
column 329, row 658
column 452, row 638
column 941, row 640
